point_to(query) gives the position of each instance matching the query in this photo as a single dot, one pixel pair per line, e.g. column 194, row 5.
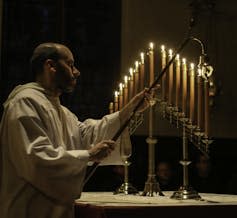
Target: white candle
column 184, row 85
column 200, row 100
column 163, row 81
column 206, row 106
column 170, row 93
column 177, row 79
column 151, row 63
column 116, row 101
column 120, row 96
column 111, row 107
column 142, row 72
column 192, row 93
column 125, row 90
column 136, row 78
column 131, row 84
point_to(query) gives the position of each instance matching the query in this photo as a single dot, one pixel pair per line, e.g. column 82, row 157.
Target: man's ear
column 50, row 65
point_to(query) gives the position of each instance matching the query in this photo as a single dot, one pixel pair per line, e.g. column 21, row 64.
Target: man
column 44, row 149
column 166, row 176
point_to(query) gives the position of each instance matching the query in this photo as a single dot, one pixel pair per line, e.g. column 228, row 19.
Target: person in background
column 203, row 177
column 166, row 176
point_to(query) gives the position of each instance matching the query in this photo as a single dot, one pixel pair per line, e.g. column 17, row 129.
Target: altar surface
column 107, row 205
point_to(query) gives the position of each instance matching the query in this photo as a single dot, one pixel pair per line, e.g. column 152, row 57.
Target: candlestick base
column 152, row 187
column 185, row 193
column 126, row 188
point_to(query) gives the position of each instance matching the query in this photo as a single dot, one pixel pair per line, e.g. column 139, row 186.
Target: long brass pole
column 126, row 123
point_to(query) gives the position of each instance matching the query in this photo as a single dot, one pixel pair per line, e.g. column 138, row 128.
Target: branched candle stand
column 194, row 130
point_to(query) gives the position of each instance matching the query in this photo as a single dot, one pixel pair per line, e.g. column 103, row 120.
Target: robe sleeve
column 93, row 131
column 56, row 172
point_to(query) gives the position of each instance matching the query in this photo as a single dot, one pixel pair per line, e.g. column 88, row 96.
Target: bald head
column 45, row 51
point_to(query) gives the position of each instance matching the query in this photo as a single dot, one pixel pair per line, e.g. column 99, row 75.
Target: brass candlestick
column 126, row 188
column 185, row 191
column 151, row 186
column 126, row 151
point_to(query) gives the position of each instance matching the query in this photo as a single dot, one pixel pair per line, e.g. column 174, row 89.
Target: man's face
column 66, row 73
column 164, row 171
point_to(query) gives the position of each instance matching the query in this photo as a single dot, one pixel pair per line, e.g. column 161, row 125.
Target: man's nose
column 76, row 72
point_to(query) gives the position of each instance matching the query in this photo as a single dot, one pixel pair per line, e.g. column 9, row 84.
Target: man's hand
column 101, row 150
column 143, row 96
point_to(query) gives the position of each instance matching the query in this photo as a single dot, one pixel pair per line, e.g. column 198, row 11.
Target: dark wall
column 91, row 29
column 166, row 22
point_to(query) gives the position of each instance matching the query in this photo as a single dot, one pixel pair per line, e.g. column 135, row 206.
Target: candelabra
column 197, row 134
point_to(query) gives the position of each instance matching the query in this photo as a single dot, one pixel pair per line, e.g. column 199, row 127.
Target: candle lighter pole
column 126, row 123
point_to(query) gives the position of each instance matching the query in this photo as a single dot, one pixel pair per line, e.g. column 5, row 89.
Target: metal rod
column 185, row 161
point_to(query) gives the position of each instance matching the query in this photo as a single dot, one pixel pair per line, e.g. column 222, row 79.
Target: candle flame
column 177, row 60
column 151, row 45
column 199, row 72
column 116, row 93
column 136, row 65
column 120, row 86
column 170, row 52
column 162, row 48
column 192, row 66
column 184, row 61
column 142, row 58
column 131, row 71
column 125, row 79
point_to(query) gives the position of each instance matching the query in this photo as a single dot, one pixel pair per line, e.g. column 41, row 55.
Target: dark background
column 106, row 37
column 91, row 29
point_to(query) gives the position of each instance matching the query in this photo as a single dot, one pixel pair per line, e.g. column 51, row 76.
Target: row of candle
column 132, row 84
column 181, row 82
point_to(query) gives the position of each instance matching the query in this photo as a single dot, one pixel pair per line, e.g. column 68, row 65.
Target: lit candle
column 142, row 72
column 125, row 90
column 177, row 90
column 184, row 86
column 120, row 96
column 206, row 106
column 136, row 78
column 116, row 101
column 192, row 93
column 151, row 64
column 111, row 107
column 200, row 100
column 131, row 83
column 163, row 82
column 170, row 79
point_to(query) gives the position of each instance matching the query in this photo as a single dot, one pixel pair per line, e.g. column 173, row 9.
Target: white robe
column 44, row 154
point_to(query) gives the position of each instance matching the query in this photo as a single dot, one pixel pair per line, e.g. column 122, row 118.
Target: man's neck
column 51, row 88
